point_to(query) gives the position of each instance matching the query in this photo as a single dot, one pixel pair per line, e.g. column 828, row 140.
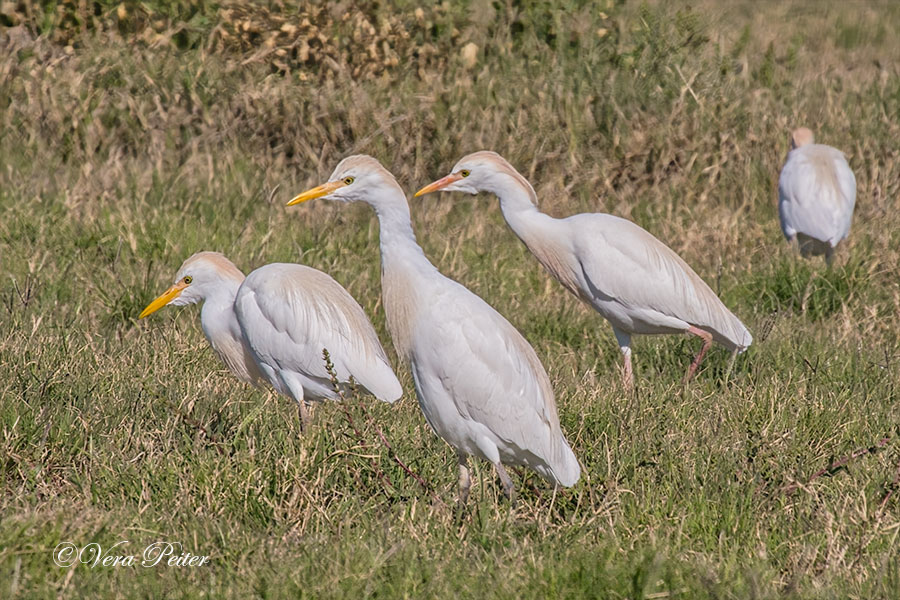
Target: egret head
column 197, row 278
column 483, row 171
column 801, row 137
column 358, row 178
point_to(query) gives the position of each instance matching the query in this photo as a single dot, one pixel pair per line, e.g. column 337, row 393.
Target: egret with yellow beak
column 480, row 385
column 274, row 324
column 631, row 278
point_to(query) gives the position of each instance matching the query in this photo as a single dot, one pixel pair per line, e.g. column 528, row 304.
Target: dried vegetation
column 133, row 134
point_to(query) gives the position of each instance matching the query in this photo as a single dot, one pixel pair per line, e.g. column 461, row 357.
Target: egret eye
column 465, row 172
column 188, row 279
column 348, row 180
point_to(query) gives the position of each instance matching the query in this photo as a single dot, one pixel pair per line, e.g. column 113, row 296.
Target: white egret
column 816, row 196
column 274, row 324
column 631, row 278
column 480, row 385
column 211, row 278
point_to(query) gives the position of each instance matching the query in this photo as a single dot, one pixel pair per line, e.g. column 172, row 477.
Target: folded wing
column 289, row 313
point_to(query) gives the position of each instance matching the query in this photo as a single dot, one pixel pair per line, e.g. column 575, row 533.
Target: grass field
column 133, row 136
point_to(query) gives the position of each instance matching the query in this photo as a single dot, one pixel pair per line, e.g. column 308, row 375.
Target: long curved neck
column 517, row 203
column 399, row 248
column 404, row 269
column 548, row 239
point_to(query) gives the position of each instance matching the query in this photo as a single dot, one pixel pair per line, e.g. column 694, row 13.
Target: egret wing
column 621, row 261
column 290, row 313
column 489, row 370
column 847, row 185
column 816, row 194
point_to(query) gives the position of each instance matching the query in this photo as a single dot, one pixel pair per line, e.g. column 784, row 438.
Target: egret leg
column 624, row 340
column 829, row 255
column 807, row 291
column 465, row 481
column 295, row 390
column 304, row 415
column 707, row 342
column 508, row 487
column 806, row 245
column 734, row 354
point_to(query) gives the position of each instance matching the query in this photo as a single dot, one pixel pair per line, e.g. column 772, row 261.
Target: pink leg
column 707, row 342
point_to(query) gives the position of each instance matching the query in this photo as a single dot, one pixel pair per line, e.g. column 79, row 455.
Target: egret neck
column 403, row 265
column 543, row 235
column 217, row 316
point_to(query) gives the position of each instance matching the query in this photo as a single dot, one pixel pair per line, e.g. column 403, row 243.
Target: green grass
column 122, row 156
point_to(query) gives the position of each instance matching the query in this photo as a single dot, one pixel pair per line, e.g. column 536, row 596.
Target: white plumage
column 816, row 196
column 480, row 385
column 635, row 281
column 289, row 313
column 211, row 278
column 274, row 324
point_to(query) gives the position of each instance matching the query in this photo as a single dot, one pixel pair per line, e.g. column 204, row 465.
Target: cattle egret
column 816, row 196
column 635, row 281
column 480, row 385
column 274, row 324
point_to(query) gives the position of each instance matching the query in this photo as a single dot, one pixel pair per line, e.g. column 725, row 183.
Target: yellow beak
column 439, row 184
column 317, row 192
column 166, row 297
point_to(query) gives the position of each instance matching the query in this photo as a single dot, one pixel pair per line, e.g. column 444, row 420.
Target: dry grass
column 127, row 152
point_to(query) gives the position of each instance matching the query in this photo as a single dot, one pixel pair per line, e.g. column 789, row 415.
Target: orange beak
column 439, row 184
